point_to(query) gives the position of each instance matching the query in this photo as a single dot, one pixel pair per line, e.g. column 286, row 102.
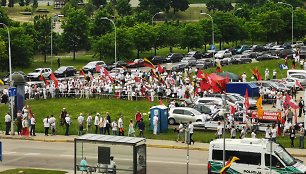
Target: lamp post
column 223, row 113
column 51, row 46
column 106, row 18
column 212, row 34
column 11, row 81
column 291, row 18
column 155, row 15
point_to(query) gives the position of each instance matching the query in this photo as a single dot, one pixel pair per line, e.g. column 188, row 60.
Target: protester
column 8, row 120
column 155, row 124
column 180, row 133
column 273, row 133
column 67, row 123
column 46, row 125
column 97, row 122
column 114, row 127
column 120, row 125
column 141, row 127
column 268, row 132
column 131, row 129
column 19, row 123
column 25, row 129
column 253, row 134
column 242, row 133
column 292, row 135
column 88, row 122
column 301, row 106
column 138, row 116
column 190, row 130
column 108, row 122
column 219, row 130
column 52, row 121
column 63, row 116
column 301, row 134
column 233, row 132
column 81, row 124
column 33, row 122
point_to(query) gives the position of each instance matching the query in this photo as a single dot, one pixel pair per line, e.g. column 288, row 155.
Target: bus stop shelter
column 128, row 153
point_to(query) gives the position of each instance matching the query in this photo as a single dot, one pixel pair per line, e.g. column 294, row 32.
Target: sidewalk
column 150, row 143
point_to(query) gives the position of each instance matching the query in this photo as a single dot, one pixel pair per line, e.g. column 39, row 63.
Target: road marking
column 8, row 153
column 67, row 155
column 31, row 154
column 172, row 162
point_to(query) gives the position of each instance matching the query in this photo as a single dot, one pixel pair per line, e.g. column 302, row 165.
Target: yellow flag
column 259, row 102
column 1, row 82
column 228, row 164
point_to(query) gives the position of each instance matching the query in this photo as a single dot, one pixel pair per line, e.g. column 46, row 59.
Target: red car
column 136, row 63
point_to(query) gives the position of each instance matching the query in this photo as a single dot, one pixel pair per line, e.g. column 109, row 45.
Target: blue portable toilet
column 162, row 112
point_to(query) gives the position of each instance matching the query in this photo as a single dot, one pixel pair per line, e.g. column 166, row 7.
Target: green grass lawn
column 31, row 171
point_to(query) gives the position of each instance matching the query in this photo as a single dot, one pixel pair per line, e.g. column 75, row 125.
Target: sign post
column 0, row 151
column 12, row 94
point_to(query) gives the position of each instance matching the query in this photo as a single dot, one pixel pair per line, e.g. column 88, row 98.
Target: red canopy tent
column 218, row 82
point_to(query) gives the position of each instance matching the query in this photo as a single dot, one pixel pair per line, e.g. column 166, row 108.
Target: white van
column 254, row 155
column 295, row 71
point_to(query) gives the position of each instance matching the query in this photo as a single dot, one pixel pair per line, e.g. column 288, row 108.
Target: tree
column 75, row 32
column 255, row 31
column 27, row 2
column 179, row 5
column 98, row 3
column 100, row 26
column 143, row 37
column 221, row 5
column 35, row 4
column 168, row 35
column 273, row 25
column 123, row 7
column 21, row 3
column 190, row 36
column 42, row 26
column 3, row 3
column 11, row 3
column 154, row 6
column 3, row 56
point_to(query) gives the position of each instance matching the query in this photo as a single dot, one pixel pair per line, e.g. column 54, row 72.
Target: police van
column 254, row 157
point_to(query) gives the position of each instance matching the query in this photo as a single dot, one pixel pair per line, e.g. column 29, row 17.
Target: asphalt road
column 21, row 153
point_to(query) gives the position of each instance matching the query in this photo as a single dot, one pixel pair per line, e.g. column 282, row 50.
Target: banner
column 267, row 115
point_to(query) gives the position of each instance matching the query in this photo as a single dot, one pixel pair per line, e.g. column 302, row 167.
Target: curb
column 148, row 145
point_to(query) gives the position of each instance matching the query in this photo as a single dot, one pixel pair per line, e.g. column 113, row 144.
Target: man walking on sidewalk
column 33, row 122
column 67, row 123
column 302, row 134
column 80, row 121
column 8, row 121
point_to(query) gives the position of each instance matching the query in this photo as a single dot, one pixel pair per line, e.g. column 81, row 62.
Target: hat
column 98, row 114
column 64, row 108
column 300, row 124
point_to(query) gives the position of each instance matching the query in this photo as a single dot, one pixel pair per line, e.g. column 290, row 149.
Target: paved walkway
column 150, row 143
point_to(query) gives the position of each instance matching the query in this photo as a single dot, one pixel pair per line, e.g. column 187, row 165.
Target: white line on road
column 67, row 155
column 31, row 154
column 8, row 153
column 172, row 162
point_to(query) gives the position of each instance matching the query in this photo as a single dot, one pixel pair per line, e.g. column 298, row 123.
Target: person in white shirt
column 219, row 130
column 67, row 123
column 80, row 121
column 111, row 168
column 46, row 125
column 242, row 133
column 267, row 74
column 180, row 133
column 114, row 127
column 287, row 126
column 53, row 125
column 8, row 120
column 244, row 77
column 88, row 121
column 253, row 134
column 97, row 122
column 190, row 130
column 233, row 132
column 273, row 133
column 120, row 126
column 268, row 132
column 33, row 122
column 155, row 124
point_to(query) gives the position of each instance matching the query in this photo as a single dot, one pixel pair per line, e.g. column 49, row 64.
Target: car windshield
column 62, row 68
column 91, row 64
column 196, row 112
column 221, row 52
column 284, row 156
column 37, row 70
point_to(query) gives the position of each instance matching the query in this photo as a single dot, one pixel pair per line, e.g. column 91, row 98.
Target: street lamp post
column 106, row 18
column 11, row 81
column 223, row 113
column 212, row 34
column 291, row 18
column 51, row 27
column 155, row 15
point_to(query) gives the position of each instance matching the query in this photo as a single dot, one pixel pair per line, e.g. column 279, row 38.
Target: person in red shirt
column 138, row 117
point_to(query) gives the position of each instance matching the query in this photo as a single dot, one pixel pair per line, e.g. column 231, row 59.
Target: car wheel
column 199, row 121
column 171, row 121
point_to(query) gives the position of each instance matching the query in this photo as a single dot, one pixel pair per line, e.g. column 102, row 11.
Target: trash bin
column 162, row 112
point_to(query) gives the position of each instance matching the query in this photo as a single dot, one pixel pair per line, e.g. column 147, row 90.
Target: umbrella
column 231, row 76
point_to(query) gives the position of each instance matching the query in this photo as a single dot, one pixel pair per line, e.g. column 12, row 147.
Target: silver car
column 185, row 115
column 190, row 61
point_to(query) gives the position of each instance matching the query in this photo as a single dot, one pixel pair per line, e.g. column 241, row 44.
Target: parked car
column 224, row 61
column 222, row 54
column 204, row 63
column 241, row 59
column 174, row 57
column 115, row 71
column 6, row 78
column 300, row 77
column 91, row 66
column 179, row 67
column 195, row 54
column 203, row 108
column 271, row 85
column 46, row 72
column 241, row 49
column 266, row 57
column 213, row 101
column 303, row 52
column 185, row 114
column 286, row 52
column 65, row 71
column 136, row 63
column 158, row 60
column 118, row 64
column 190, row 61
column 297, row 44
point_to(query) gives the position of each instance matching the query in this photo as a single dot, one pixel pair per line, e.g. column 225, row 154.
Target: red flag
column 52, row 77
column 137, row 79
column 160, row 102
column 289, row 101
column 232, row 110
column 297, row 83
column 106, row 73
column 226, row 79
column 160, row 69
column 246, row 100
column 257, row 74
column 200, row 74
column 82, row 73
column 98, row 68
column 42, row 78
